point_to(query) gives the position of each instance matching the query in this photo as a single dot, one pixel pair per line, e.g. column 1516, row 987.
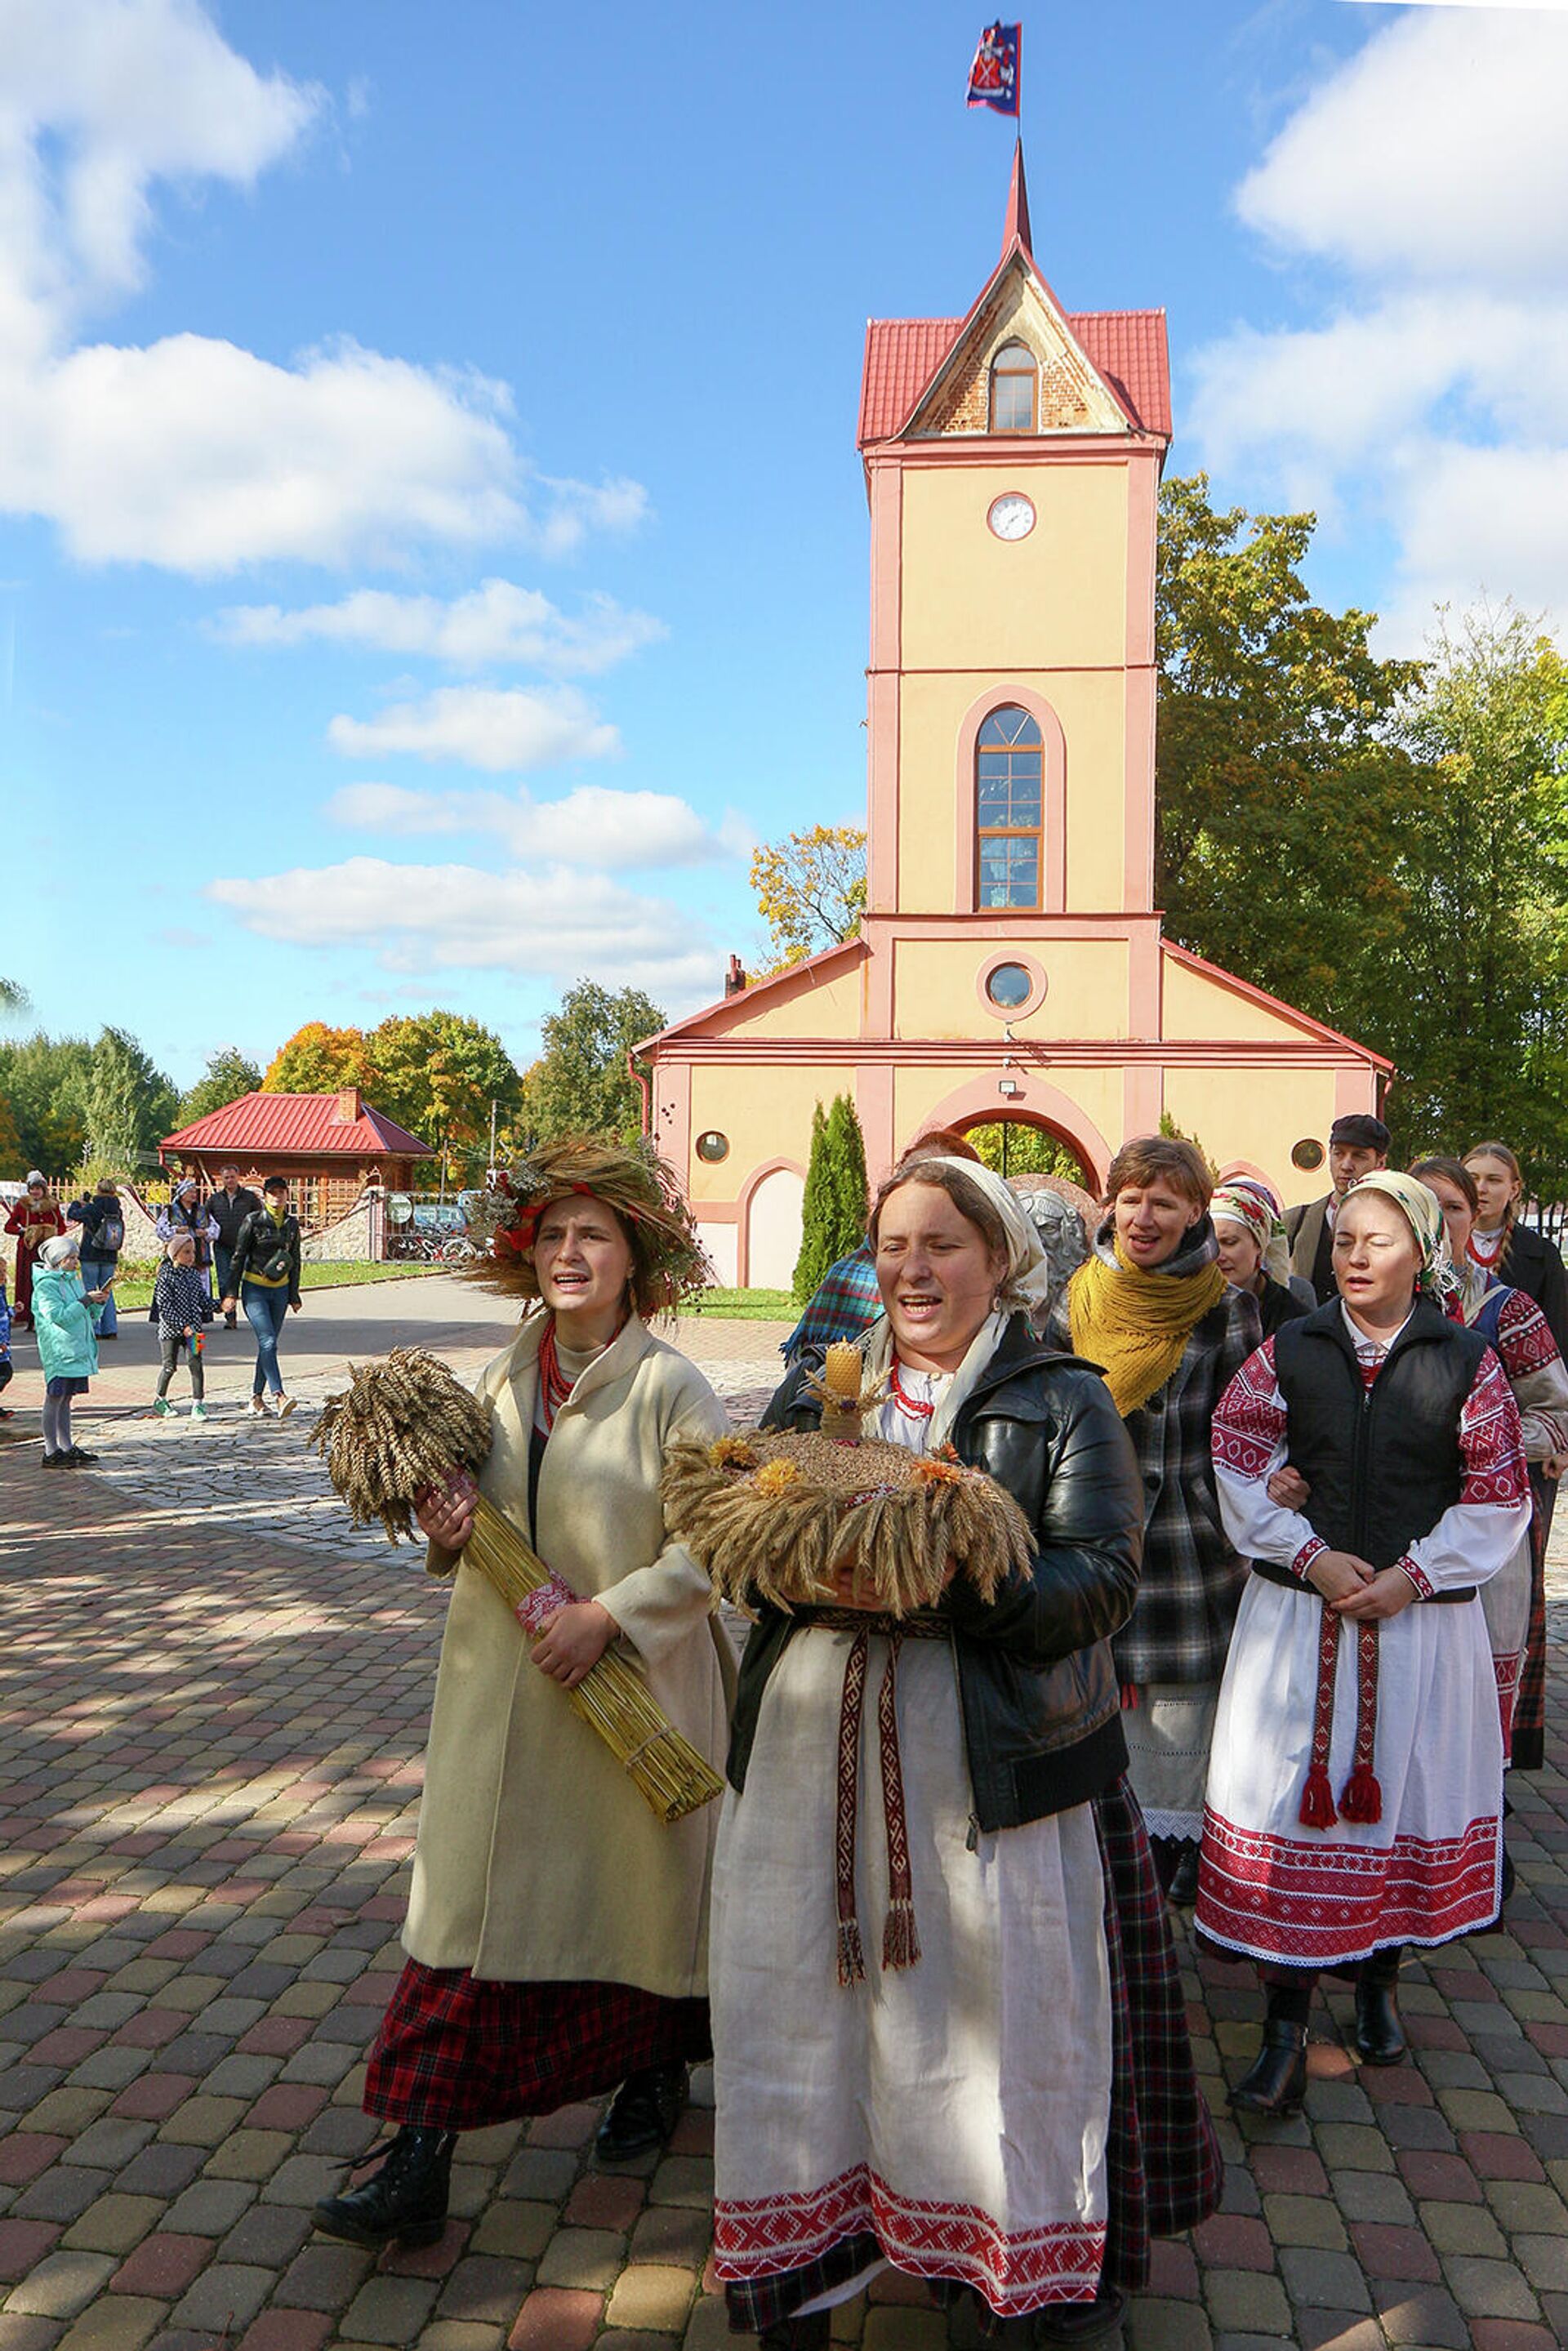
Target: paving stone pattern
column 210, row 1759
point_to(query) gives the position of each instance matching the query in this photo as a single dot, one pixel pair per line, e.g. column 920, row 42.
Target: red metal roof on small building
column 305, row 1126
column 1128, row 348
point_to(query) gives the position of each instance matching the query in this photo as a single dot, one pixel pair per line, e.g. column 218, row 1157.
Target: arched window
column 1009, row 809
column 1013, row 377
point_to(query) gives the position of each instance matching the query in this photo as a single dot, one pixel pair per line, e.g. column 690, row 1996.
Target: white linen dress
column 956, row 2110
column 1431, row 1868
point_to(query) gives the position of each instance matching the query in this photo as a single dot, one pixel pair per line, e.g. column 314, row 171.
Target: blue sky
column 431, row 540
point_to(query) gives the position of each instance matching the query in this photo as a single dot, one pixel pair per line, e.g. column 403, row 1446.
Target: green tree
column 1283, row 794
column 1013, row 1148
column 129, row 1105
column 580, row 1083
column 833, row 1209
column 317, row 1060
column 810, row 889
column 1478, row 1012
column 45, row 1081
column 14, row 999
column 437, row 1073
column 228, row 1076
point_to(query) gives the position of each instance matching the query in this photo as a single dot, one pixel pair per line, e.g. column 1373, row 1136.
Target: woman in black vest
column 1354, row 1791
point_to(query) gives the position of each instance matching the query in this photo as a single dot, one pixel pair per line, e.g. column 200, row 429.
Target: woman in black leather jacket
column 967, row 2108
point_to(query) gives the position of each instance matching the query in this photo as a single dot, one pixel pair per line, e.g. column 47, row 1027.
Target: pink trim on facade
column 977, row 1103
column 1032, row 1002
column 1053, row 803
column 874, row 1108
column 1244, row 987
column 1143, row 531
column 884, row 485
column 743, row 1213
column 1143, row 1098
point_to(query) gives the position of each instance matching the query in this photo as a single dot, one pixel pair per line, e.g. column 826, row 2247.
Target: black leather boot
column 405, row 2198
column 646, row 2109
column 812, row 2334
column 1183, row 1888
column 1379, row 2035
column 1081, row 2322
column 1276, row 2081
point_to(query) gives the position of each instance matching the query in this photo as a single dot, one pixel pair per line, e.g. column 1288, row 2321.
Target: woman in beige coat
column 557, row 1931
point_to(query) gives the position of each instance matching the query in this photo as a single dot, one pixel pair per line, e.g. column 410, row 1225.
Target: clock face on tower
column 1011, row 515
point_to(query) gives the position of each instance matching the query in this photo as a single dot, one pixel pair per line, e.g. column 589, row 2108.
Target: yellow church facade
column 1011, row 964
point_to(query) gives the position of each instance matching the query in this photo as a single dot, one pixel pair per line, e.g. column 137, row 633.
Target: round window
column 1009, row 987
column 712, row 1145
column 1308, row 1154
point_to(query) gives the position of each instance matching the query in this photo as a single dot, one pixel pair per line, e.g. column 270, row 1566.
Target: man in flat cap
column 1357, row 1144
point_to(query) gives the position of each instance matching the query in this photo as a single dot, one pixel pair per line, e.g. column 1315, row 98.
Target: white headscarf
column 1026, row 1282
column 59, row 1251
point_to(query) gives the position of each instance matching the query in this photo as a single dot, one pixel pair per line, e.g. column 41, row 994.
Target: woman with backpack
column 102, row 1223
column 264, row 1276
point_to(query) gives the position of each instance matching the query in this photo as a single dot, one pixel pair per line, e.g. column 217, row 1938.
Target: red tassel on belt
column 1361, row 1800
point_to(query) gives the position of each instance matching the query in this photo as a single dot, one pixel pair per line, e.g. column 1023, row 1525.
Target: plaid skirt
column 1528, row 1748
column 454, row 2054
column 1164, row 2172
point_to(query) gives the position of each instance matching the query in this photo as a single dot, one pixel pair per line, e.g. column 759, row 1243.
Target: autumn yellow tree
column 810, row 889
column 317, row 1060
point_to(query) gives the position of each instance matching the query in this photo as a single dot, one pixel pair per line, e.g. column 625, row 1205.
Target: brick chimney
column 350, row 1107
column 734, row 978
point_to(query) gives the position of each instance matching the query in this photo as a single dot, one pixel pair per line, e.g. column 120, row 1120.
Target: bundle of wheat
column 406, row 1425
column 773, row 1513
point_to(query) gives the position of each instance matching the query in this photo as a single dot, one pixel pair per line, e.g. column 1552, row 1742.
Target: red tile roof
column 302, row 1125
column 1127, row 348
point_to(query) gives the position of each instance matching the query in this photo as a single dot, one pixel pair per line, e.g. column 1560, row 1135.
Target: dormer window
column 1015, row 376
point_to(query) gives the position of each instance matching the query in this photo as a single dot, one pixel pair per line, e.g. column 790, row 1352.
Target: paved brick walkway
column 209, row 1753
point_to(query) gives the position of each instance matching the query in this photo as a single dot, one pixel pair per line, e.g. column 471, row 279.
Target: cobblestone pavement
column 210, row 1755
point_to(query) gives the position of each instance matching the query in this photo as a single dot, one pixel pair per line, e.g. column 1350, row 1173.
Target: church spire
column 1015, row 228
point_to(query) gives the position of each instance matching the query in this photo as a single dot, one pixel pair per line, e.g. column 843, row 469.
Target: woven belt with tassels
column 900, row 1941
column 1360, row 1799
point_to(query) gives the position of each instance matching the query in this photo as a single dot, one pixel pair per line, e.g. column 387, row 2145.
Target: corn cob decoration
column 406, row 1425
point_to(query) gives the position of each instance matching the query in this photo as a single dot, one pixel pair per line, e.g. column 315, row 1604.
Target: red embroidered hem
column 1323, row 1903
column 1015, row 2273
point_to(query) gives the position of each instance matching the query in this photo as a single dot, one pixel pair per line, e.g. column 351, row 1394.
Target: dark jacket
column 1041, row 1700
column 90, row 1214
column 230, row 1215
column 1384, row 1463
column 1531, row 1263
column 259, row 1243
column 1276, row 1305
column 1310, row 1235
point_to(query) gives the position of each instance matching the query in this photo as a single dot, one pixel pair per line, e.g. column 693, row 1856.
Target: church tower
column 1012, row 464
column 1009, row 965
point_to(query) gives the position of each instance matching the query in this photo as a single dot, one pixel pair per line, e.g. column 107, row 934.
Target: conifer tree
column 834, row 1210
column 815, row 1256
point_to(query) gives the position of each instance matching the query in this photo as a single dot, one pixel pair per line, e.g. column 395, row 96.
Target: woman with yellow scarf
column 1152, row 1307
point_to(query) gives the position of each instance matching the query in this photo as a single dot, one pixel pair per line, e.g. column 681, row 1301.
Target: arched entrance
column 1020, row 1145
column 1037, row 1106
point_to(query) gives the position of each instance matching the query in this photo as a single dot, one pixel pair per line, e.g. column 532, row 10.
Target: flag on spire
column 994, row 76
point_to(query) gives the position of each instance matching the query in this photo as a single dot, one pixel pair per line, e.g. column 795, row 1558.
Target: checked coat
column 1192, row 1578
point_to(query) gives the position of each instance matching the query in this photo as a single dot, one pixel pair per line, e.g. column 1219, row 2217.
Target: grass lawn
column 744, row 1305
column 136, row 1288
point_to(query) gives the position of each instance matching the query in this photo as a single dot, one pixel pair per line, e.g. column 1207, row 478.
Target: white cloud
column 192, row 452
column 494, row 727
column 557, row 923
column 197, row 455
column 496, row 622
column 591, row 826
column 1438, row 149
column 1429, row 407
